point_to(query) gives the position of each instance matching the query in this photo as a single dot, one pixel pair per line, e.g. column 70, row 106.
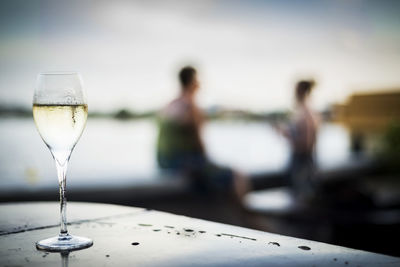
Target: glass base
column 64, row 242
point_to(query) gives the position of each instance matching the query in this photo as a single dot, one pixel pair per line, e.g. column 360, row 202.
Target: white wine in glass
column 60, row 113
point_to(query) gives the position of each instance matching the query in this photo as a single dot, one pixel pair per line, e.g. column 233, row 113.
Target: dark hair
column 186, row 76
column 303, row 88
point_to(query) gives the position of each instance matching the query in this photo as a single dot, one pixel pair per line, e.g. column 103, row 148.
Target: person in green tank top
column 180, row 146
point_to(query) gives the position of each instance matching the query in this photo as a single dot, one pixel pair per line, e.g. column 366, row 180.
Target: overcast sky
column 249, row 53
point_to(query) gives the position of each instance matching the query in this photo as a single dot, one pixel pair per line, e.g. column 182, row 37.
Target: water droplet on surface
column 304, row 247
column 238, row 236
column 275, row 244
column 135, row 243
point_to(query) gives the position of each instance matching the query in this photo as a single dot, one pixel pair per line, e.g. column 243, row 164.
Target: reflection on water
column 111, row 149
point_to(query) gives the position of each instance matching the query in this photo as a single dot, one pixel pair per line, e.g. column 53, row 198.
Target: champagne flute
column 60, row 113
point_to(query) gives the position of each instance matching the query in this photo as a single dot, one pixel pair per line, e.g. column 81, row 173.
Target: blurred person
column 302, row 133
column 180, row 146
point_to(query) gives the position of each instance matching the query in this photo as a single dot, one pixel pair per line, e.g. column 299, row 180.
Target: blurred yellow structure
column 370, row 112
column 368, row 116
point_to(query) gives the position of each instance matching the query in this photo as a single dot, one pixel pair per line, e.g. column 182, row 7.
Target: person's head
column 188, row 79
column 303, row 90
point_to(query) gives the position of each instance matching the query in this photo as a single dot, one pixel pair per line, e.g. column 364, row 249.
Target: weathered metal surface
column 18, row 217
column 129, row 236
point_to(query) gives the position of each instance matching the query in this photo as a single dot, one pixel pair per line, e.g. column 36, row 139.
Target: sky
column 249, row 54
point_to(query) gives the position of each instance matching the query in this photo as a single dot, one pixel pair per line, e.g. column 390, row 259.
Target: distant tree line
column 127, row 114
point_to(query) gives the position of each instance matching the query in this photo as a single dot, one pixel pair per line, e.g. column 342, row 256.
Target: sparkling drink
column 60, row 126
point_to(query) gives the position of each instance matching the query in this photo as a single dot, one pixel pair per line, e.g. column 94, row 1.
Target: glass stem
column 61, row 172
column 64, row 259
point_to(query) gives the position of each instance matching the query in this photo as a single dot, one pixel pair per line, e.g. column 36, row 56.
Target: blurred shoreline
column 213, row 113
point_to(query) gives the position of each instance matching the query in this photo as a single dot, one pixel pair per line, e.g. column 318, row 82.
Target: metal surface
column 125, row 236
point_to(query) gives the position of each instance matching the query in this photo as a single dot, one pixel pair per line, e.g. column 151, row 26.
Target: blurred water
column 113, row 150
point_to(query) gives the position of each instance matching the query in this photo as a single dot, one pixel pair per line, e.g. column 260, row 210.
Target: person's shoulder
column 178, row 109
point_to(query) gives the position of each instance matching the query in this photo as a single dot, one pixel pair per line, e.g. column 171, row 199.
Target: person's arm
column 197, row 120
column 283, row 129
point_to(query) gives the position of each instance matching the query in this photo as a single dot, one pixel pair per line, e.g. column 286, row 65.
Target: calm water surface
column 111, row 150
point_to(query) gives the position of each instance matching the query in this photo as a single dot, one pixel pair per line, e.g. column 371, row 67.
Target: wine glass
column 60, row 113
